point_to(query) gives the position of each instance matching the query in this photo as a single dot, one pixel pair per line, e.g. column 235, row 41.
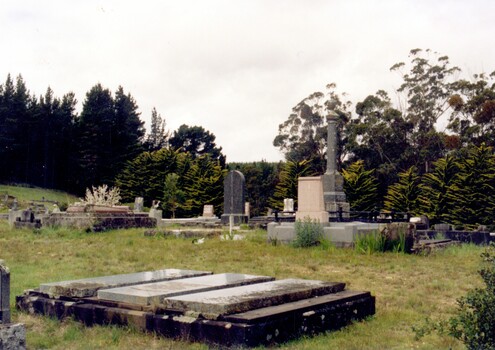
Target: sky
column 234, row 67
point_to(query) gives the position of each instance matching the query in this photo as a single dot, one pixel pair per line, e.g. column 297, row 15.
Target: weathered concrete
column 213, row 304
column 4, row 294
column 13, row 336
column 154, row 293
column 88, row 287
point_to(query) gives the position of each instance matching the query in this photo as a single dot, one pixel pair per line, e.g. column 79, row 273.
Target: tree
column 303, row 135
column 157, row 138
column 426, row 88
column 198, row 142
column 403, row 196
column 109, row 133
column 360, row 187
column 173, row 196
column 288, row 182
column 473, row 191
column 437, row 189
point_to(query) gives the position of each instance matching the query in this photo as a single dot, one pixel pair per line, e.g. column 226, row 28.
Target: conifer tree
column 403, row 196
column 360, row 187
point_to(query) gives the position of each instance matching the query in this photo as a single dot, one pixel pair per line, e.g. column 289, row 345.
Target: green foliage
column 308, row 233
column 377, row 241
column 173, row 196
column 303, row 136
column 437, row 190
column 403, row 196
column 288, row 182
column 473, row 191
column 360, row 186
column 198, row 142
column 200, row 180
column 157, row 138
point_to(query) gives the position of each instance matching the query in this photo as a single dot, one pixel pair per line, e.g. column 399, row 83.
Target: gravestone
column 310, row 199
column 208, row 211
column 233, row 198
column 288, row 204
column 138, row 204
column 247, row 209
column 12, row 335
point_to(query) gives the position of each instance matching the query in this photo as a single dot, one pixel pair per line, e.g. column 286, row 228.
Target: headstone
column 240, row 299
column 156, row 213
column 208, row 211
column 88, row 287
column 233, row 200
column 288, row 204
column 12, row 335
column 247, row 209
column 14, row 204
column 310, row 199
column 138, row 204
column 154, row 293
column 441, row 227
column 4, row 293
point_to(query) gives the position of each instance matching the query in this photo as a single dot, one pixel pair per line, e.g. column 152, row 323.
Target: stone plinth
column 240, row 299
column 155, row 293
column 87, row 287
column 310, row 199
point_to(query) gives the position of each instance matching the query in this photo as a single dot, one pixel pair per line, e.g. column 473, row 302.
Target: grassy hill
column 25, row 195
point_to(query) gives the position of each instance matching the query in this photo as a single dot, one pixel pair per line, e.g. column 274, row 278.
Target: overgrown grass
column 408, row 288
column 27, row 194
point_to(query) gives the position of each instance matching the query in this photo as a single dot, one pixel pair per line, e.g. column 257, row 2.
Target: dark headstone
column 233, row 198
column 4, row 294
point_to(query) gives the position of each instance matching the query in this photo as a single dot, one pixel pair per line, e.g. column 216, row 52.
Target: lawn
column 25, row 195
column 408, row 288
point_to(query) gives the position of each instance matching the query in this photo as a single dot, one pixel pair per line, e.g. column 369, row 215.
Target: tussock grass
column 408, row 288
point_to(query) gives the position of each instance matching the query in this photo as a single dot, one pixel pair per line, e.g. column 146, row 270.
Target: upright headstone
column 310, row 199
column 208, row 211
column 12, row 335
column 138, row 204
column 233, row 198
column 4, row 293
column 247, row 209
column 288, row 204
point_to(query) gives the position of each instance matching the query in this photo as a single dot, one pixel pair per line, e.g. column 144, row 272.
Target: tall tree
column 198, row 142
column 157, row 138
column 403, row 196
column 360, row 187
column 303, row 135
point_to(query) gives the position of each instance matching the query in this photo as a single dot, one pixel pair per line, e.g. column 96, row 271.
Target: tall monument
column 333, row 182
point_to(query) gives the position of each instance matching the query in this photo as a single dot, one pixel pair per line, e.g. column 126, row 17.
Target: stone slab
column 240, row 299
column 13, row 336
column 88, row 287
column 154, row 293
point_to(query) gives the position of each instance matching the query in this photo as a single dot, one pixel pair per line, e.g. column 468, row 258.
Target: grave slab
column 214, row 304
column 154, row 293
column 88, row 287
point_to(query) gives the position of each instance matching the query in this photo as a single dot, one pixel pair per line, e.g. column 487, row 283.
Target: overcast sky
column 235, row 67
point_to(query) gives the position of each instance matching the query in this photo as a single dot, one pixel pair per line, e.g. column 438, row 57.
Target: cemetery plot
column 225, row 309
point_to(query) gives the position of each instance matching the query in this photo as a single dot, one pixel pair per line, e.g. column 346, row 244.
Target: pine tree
column 473, row 192
column 403, row 196
column 360, row 187
column 173, row 196
column 157, row 138
column 288, row 182
column 437, row 189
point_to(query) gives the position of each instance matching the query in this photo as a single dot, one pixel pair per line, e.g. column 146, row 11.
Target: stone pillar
column 333, row 182
column 233, row 198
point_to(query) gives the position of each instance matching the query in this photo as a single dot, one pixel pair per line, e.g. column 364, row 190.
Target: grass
column 25, row 195
column 408, row 288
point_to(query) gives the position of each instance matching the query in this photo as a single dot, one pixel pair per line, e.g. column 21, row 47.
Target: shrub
column 474, row 320
column 102, row 195
column 370, row 243
column 308, row 233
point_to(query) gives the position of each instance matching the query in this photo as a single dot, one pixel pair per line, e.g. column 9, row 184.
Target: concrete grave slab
column 215, row 303
column 154, row 293
column 87, row 287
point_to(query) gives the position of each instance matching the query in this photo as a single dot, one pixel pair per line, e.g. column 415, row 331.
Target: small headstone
column 233, row 198
column 4, row 293
column 138, row 204
column 288, row 204
column 247, row 209
column 208, row 211
column 441, row 227
column 14, row 204
column 156, row 213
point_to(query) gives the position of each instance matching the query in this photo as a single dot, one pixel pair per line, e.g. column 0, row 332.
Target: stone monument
column 333, row 182
column 233, row 198
column 138, row 204
column 12, row 335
